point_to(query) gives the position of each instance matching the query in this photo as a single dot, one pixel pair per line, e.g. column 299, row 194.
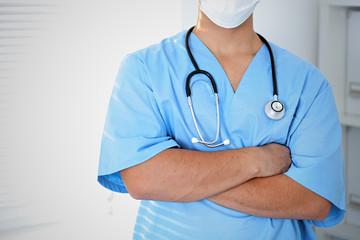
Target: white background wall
column 63, row 86
column 62, row 81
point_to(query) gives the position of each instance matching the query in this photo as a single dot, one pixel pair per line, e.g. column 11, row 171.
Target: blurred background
column 58, row 63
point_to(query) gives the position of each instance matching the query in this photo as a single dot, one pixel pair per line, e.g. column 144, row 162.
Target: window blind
column 21, row 25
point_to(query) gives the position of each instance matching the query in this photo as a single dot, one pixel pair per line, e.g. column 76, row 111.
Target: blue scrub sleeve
column 134, row 129
column 316, row 151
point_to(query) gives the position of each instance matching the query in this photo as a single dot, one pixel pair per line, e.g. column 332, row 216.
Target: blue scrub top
column 148, row 113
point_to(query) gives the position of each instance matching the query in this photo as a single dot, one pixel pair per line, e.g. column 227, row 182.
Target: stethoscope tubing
column 193, row 73
column 208, row 144
column 273, row 69
column 271, row 112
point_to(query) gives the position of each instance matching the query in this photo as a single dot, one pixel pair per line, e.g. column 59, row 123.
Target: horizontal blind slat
column 21, row 26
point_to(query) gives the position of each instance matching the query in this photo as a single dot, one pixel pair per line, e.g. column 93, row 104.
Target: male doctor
column 275, row 180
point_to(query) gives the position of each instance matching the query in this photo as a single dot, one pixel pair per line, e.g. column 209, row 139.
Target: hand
column 274, row 159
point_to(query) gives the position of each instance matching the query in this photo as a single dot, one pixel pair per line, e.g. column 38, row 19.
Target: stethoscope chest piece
column 275, row 109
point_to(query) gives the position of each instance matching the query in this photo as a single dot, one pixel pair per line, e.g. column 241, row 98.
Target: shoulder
column 288, row 60
column 298, row 72
column 163, row 49
column 150, row 65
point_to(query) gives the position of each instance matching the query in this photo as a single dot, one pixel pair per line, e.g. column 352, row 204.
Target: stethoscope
column 273, row 109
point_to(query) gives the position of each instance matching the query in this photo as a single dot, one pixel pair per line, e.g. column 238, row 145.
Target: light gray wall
column 292, row 25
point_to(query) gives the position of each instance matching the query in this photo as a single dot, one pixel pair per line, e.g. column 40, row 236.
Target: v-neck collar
column 208, row 62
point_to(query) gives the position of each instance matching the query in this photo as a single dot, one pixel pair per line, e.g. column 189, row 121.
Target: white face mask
column 228, row 13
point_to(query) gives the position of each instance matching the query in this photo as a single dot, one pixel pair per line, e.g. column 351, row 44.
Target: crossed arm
column 275, row 197
column 249, row 180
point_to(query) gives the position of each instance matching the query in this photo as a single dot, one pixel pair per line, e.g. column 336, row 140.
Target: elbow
column 139, row 191
column 143, row 192
column 137, row 188
column 136, row 192
column 143, row 188
column 321, row 210
column 134, row 184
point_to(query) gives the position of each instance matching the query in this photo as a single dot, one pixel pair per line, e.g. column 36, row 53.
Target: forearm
column 186, row 176
column 275, row 197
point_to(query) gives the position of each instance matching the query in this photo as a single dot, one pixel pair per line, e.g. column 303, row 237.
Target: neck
column 227, row 42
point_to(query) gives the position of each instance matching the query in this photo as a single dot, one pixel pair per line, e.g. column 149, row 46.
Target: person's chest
column 235, row 67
